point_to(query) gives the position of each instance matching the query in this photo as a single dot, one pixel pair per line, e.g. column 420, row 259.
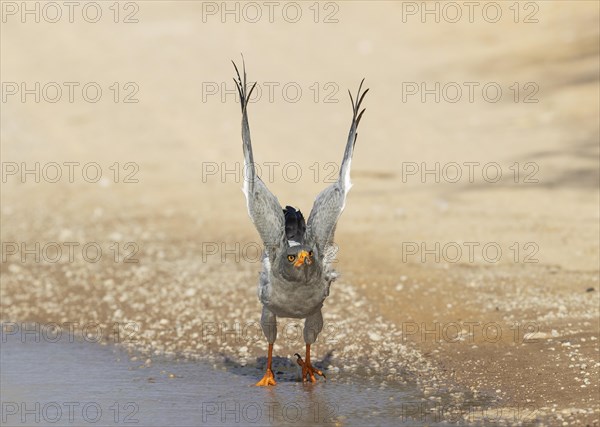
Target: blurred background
column 121, row 130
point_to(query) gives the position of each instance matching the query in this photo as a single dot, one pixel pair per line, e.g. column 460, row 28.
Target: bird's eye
column 291, row 258
column 310, row 254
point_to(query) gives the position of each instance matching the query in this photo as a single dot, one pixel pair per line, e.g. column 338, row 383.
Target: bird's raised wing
column 263, row 206
column 330, row 203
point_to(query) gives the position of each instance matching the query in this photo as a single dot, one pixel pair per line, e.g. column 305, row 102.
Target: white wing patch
column 267, row 263
column 347, row 182
column 293, row 243
column 246, row 188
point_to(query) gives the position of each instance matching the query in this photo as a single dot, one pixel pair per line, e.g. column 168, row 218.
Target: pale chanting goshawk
column 296, row 268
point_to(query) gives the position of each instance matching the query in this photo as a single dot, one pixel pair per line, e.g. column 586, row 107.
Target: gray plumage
column 296, row 270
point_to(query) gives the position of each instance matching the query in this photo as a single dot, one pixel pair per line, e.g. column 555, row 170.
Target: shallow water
column 80, row 383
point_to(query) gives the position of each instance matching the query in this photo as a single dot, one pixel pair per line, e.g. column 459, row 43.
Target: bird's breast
column 292, row 299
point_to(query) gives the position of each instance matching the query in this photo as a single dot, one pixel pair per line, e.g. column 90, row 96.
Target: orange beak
column 302, row 256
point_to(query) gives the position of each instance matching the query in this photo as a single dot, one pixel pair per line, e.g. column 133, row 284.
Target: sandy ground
column 517, row 329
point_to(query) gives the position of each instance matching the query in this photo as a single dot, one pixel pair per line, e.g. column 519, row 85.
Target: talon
column 311, row 371
column 268, row 379
column 308, row 368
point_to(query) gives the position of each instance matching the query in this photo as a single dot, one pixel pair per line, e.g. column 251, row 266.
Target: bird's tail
column 295, row 226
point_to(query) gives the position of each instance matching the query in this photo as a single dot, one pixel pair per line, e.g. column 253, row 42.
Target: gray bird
column 296, row 267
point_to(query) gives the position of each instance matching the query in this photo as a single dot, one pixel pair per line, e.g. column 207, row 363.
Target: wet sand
column 105, row 386
column 519, row 334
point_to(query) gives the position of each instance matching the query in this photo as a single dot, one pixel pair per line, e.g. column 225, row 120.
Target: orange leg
column 307, row 368
column 269, row 378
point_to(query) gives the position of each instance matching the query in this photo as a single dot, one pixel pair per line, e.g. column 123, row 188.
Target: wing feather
column 330, row 203
column 263, row 207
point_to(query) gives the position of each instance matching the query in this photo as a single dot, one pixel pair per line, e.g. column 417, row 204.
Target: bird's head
column 299, row 263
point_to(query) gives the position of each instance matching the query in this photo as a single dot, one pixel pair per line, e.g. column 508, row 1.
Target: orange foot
column 268, row 379
column 308, row 369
